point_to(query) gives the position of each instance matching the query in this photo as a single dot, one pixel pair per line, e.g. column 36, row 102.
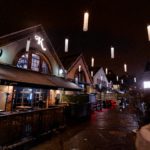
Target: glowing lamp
column 117, row 78
column 106, row 70
column 146, row 84
column 112, row 52
column 79, row 68
column 85, row 23
column 148, row 30
column 91, row 73
column 92, row 62
column 121, row 81
column 66, row 45
column 125, row 67
column 28, row 44
column 60, row 71
column 135, row 79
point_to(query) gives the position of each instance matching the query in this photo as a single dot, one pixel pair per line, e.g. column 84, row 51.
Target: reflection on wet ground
column 109, row 129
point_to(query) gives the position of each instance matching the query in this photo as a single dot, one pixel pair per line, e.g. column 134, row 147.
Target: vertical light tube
column 92, row 62
column 66, row 44
column 125, row 67
column 112, row 52
column 135, row 79
column 148, row 31
column 117, row 78
column 79, row 68
column 86, row 20
column 121, row 81
column 106, row 71
column 28, row 45
column 91, row 73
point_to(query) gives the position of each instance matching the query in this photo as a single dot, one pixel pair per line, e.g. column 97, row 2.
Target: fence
column 15, row 127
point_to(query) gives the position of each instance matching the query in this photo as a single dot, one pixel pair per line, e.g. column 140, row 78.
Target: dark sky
column 121, row 24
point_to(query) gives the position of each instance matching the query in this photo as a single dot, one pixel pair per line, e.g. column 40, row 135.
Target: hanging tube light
column 86, row 20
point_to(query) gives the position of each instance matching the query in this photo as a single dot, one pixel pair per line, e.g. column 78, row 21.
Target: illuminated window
column 23, row 61
column 146, row 84
column 35, row 62
column 44, row 67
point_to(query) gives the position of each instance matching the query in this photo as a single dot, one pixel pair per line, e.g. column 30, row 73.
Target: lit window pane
column 23, row 62
column 35, row 62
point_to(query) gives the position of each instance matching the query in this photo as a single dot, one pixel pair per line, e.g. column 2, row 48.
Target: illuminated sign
column 40, row 42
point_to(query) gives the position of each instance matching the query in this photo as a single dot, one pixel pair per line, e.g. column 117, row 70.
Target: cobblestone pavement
column 109, row 129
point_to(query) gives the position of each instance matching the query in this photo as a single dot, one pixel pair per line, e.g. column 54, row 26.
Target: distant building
column 77, row 71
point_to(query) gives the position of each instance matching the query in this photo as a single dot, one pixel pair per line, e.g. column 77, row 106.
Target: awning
column 64, row 83
column 10, row 75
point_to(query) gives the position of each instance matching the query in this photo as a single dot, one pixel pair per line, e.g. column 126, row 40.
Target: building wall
column 71, row 73
column 100, row 76
column 12, row 49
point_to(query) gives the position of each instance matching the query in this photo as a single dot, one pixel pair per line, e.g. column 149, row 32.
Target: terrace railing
column 16, row 126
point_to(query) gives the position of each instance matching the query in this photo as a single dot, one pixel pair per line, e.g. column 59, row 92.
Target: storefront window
column 30, row 97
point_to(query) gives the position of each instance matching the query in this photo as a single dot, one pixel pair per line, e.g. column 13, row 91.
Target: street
column 109, row 129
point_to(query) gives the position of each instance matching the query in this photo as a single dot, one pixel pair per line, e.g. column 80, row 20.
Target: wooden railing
column 16, row 126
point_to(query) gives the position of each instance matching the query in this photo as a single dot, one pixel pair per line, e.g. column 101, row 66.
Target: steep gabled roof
column 15, row 36
column 67, row 59
column 95, row 69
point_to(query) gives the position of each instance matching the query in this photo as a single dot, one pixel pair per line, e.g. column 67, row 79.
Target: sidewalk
column 107, row 130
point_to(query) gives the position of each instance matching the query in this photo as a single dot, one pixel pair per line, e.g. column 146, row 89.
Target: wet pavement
column 109, row 129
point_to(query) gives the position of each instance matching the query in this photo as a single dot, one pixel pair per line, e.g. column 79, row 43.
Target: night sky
column 121, row 24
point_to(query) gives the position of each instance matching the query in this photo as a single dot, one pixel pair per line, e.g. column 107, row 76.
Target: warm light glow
column 85, row 23
column 40, row 42
column 92, row 62
column 28, row 45
column 66, row 45
column 60, row 71
column 91, row 73
column 112, row 52
column 125, row 67
column 146, row 84
column 135, row 79
column 122, row 81
column 117, row 78
column 57, row 91
column 79, row 68
column 106, row 70
column 148, row 30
